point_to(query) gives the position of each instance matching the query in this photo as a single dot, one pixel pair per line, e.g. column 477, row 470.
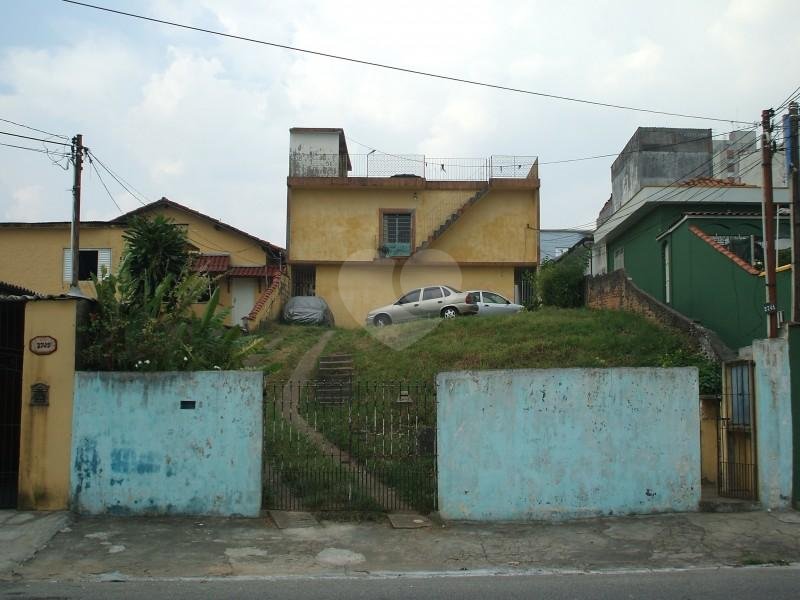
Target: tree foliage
column 561, row 282
column 144, row 318
column 154, row 250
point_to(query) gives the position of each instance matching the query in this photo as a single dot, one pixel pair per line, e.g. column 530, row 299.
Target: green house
column 695, row 243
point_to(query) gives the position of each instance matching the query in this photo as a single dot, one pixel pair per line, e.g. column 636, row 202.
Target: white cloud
column 204, row 120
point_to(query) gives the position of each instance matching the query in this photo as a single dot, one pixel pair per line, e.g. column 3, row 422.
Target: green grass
column 316, row 480
column 546, row 338
column 293, row 341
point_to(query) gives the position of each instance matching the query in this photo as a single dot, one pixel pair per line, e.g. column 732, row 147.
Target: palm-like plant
column 155, row 249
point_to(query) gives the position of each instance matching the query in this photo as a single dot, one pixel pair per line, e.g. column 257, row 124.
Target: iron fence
column 736, row 433
column 378, row 164
column 347, row 445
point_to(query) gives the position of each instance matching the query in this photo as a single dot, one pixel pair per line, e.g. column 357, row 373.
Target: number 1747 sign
column 43, row 344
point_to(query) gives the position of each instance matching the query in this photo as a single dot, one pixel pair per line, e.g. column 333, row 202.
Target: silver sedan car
column 431, row 301
column 492, row 303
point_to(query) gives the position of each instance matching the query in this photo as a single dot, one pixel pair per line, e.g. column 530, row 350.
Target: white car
column 492, row 303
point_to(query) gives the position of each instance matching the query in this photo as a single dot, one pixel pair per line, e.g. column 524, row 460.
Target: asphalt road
column 760, row 583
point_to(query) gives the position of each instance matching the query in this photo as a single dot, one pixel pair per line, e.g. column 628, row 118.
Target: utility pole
column 77, row 156
column 792, row 149
column 768, row 218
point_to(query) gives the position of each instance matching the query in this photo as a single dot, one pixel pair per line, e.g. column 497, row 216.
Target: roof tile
column 722, row 249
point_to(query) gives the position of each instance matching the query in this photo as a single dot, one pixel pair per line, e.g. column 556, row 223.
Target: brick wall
column 615, row 291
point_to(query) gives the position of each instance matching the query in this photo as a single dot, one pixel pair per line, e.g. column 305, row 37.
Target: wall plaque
column 43, row 344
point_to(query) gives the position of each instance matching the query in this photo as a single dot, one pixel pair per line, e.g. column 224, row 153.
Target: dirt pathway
column 382, row 494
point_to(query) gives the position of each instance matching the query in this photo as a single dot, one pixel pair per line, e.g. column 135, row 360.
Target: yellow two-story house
column 364, row 229
column 246, row 269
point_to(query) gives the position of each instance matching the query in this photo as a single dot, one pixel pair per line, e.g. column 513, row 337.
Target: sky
column 205, row 120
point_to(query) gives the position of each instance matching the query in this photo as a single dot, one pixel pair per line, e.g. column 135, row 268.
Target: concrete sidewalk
column 133, row 548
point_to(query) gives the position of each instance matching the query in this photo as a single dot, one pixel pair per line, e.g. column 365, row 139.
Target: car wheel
column 450, row 313
column 382, row 321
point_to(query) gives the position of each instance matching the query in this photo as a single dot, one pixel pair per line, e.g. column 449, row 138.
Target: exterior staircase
column 455, row 216
column 334, row 379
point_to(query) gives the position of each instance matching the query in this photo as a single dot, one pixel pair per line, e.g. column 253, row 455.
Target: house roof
column 711, row 182
column 166, row 203
column 703, row 214
column 211, row 263
column 261, row 271
column 10, row 289
column 723, row 250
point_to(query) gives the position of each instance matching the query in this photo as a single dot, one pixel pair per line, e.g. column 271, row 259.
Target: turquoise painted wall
column 794, row 369
column 139, row 445
column 566, row 443
column 773, row 422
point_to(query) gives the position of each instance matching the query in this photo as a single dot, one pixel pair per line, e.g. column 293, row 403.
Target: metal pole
column 794, row 183
column 768, row 217
column 77, row 149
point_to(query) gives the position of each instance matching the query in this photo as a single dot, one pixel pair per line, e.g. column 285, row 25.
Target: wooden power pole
column 768, row 218
column 791, row 144
column 77, row 155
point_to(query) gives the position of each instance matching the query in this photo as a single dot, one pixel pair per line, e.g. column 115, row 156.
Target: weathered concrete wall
column 566, row 443
column 615, row 291
column 773, row 422
column 167, row 443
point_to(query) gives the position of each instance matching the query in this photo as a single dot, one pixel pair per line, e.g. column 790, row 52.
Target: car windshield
column 452, row 289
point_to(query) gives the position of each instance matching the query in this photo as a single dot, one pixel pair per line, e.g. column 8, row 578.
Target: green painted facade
column 705, row 285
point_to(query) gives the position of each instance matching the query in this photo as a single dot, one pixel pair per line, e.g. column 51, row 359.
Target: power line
column 34, row 129
column 566, row 160
column 403, row 69
column 41, row 150
column 100, row 177
column 119, row 180
column 35, row 139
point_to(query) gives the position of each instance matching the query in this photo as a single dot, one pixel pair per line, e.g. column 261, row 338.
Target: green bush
column 561, row 283
column 148, row 324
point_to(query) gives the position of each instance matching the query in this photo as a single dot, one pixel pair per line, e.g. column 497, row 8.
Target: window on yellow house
column 396, row 234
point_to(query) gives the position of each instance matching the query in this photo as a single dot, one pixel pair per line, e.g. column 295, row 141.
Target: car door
column 431, row 302
column 493, row 304
column 402, row 309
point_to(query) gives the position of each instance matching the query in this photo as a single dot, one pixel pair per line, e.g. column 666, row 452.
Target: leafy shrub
column 148, row 324
column 561, row 283
column 709, row 371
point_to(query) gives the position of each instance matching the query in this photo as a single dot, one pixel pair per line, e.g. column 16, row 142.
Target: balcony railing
column 412, row 165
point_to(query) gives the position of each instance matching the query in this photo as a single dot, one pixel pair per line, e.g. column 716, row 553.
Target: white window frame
column 104, row 259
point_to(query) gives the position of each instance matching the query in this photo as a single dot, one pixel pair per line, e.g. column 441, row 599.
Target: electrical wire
column 58, row 135
column 120, row 181
column 41, row 150
column 27, row 137
column 100, row 177
column 402, row 69
column 555, row 162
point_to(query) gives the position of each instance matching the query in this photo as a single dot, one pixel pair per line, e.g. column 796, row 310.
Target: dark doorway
column 12, row 322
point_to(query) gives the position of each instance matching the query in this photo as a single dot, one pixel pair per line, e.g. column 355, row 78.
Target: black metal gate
column 363, row 447
column 736, row 433
column 12, row 321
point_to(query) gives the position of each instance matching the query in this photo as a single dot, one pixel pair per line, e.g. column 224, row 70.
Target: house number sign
column 43, row 344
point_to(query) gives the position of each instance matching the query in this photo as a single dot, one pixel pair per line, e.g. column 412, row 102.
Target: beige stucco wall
column 46, row 431
column 36, row 253
column 352, row 290
column 338, row 224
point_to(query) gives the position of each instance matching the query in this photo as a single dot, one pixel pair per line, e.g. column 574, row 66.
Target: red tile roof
column 262, row 271
column 211, row 263
column 722, row 249
column 710, row 182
